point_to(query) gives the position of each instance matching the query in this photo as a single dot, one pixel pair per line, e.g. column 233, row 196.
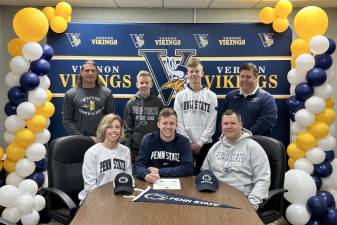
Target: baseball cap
column 123, row 183
column 206, row 181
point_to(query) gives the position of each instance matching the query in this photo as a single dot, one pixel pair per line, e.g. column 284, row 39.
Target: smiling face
column 144, row 85
column 231, row 127
column 194, row 74
column 89, row 75
column 113, row 132
column 167, row 126
column 248, row 81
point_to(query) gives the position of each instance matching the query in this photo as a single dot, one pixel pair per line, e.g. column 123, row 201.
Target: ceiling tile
column 186, row 3
column 233, row 4
column 140, row 3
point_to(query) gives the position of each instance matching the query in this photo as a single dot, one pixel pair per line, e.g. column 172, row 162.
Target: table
column 102, row 207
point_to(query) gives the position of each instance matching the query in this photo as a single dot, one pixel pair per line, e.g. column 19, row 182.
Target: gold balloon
column 37, row 123
column 63, row 9
column 49, row 12
column 305, row 140
column 30, row 24
column 283, row 8
column 267, row 15
column 14, row 46
column 58, row 24
column 318, row 129
column 293, row 62
column 24, row 137
column 330, row 102
column 291, row 163
column 327, row 116
column 311, row 21
column 68, row 19
column 299, row 46
column 1, row 164
column 46, row 110
column 49, row 95
column 280, row 24
column 294, row 152
column 15, row 153
column 9, row 166
column 1, row 153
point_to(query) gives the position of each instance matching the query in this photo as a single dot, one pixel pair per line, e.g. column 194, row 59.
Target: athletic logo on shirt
column 165, row 155
column 119, row 164
column 89, row 106
column 105, row 165
column 196, row 105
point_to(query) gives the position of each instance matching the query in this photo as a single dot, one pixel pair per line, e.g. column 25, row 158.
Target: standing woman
column 104, row 160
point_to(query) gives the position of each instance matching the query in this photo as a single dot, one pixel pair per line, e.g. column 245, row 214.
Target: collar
column 253, row 93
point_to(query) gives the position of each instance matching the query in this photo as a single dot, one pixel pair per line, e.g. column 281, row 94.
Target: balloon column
column 277, row 16
column 59, row 16
column 312, row 180
column 28, row 110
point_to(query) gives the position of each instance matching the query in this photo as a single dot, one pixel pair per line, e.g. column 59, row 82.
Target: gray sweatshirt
column 83, row 109
column 243, row 165
column 140, row 118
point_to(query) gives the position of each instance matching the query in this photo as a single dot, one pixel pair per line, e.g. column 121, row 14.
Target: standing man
column 141, row 113
column 85, row 105
column 257, row 107
column 196, row 107
column 164, row 153
column 239, row 161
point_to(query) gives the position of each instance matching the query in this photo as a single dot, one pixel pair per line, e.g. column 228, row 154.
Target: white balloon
column 30, row 218
column 315, row 104
column 324, row 91
column 295, row 128
column 39, row 203
column 32, row 51
column 318, row 44
column 25, row 204
column 11, row 214
column 327, row 182
column 297, row 214
column 293, row 138
column 332, row 129
column 44, row 82
column 19, row 65
column 48, row 123
column 43, row 137
column 327, row 143
column 8, row 196
column 12, row 79
column 36, row 152
column 13, row 123
column 28, row 187
column 26, row 110
column 304, row 118
column 296, row 76
column 292, row 90
column 14, row 179
column 304, row 62
column 9, row 137
column 304, row 164
column 38, row 96
column 315, row 155
column 24, row 167
column 300, row 186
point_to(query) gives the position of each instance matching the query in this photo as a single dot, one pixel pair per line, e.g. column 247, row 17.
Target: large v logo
column 156, row 61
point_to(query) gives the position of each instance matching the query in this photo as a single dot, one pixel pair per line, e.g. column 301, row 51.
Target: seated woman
column 104, row 160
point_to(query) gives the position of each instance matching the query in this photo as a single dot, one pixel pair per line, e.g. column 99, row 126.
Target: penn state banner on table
column 122, row 50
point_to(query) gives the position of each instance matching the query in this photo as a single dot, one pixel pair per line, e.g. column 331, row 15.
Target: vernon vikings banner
column 122, row 50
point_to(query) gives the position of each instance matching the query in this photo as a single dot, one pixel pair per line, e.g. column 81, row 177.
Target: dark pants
column 198, row 160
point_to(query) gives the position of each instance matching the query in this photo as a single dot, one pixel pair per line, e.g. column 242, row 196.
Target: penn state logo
column 123, row 180
column 206, row 177
column 74, row 39
column 138, row 40
column 168, row 73
column 201, row 40
column 266, row 39
column 156, row 196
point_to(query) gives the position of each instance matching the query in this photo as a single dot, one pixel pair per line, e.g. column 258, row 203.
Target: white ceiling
column 171, row 3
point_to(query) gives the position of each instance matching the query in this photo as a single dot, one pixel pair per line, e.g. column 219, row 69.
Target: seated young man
column 165, row 153
column 239, row 161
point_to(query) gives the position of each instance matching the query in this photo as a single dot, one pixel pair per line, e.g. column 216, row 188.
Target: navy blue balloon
column 2, row 181
column 303, row 91
column 48, row 52
column 29, row 81
column 294, row 104
column 38, row 177
column 328, row 197
column 313, row 222
column 330, row 217
column 316, row 76
column 329, row 156
column 323, row 61
column 318, row 181
column 332, row 46
column 41, row 165
column 323, row 169
column 317, row 205
column 16, row 95
column 40, row 67
column 10, row 109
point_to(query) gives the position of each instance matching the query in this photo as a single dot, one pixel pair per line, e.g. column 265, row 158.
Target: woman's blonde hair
column 105, row 123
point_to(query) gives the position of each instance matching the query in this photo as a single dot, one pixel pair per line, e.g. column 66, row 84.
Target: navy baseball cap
column 123, row 183
column 206, row 181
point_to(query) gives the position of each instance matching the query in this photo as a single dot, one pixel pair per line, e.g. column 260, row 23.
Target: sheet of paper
column 167, row 183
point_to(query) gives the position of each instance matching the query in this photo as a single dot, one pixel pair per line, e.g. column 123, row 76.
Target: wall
column 136, row 15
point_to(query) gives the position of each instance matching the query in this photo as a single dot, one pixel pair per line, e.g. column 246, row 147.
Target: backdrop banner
column 122, row 50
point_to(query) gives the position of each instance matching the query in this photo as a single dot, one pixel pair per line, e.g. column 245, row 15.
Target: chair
column 65, row 159
column 272, row 208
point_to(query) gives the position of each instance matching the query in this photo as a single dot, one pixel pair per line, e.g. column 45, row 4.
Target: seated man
column 164, row 153
column 239, row 161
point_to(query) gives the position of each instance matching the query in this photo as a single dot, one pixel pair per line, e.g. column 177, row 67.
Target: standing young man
column 141, row 113
column 164, row 153
column 196, row 107
column 85, row 105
